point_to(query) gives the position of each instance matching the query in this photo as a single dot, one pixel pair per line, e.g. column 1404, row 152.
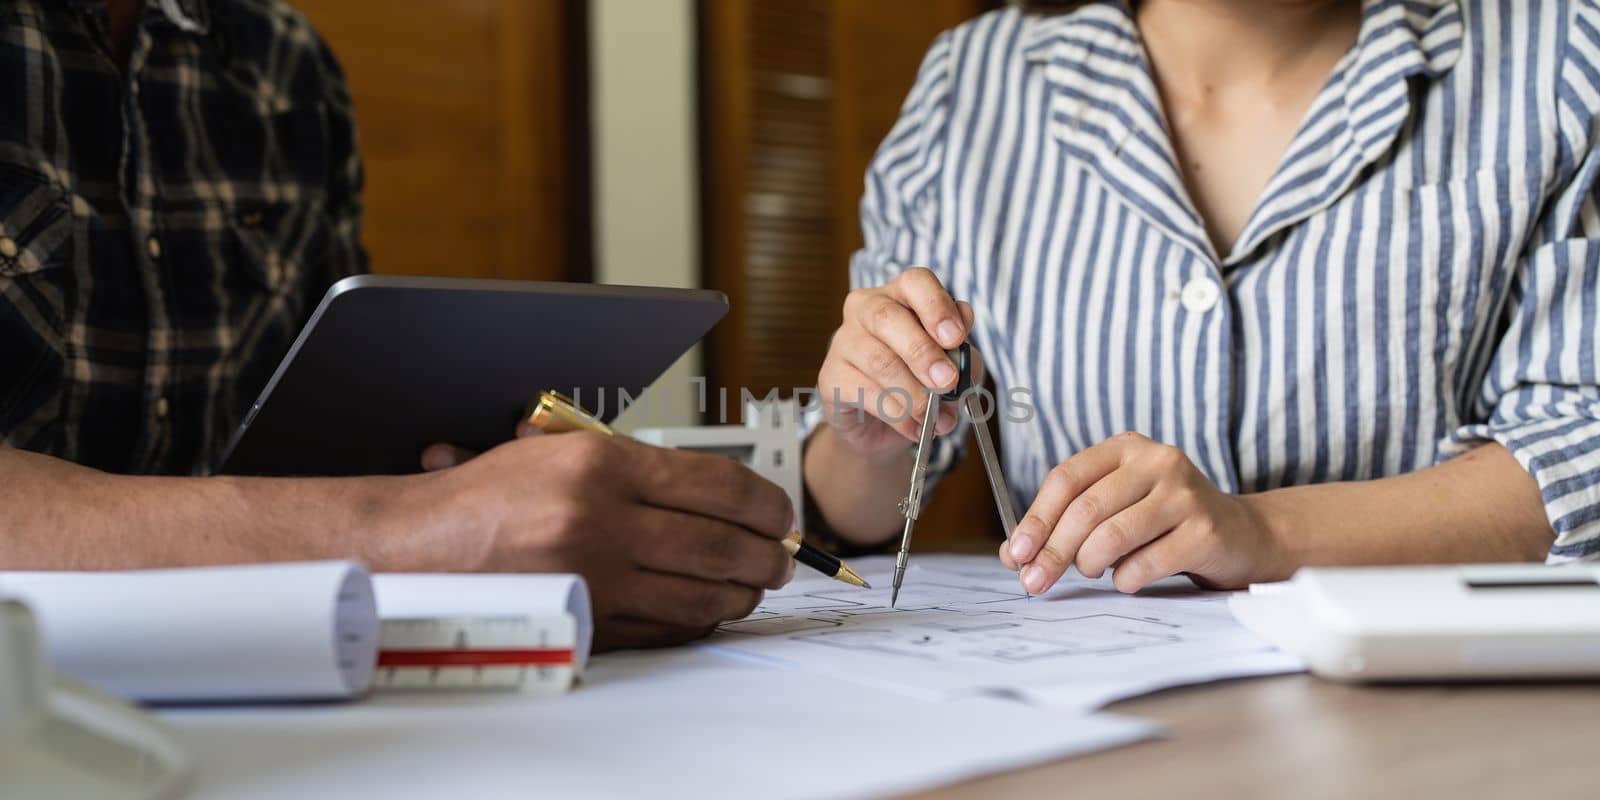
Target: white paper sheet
column 408, row 596
column 265, row 632
column 965, row 627
column 679, row 723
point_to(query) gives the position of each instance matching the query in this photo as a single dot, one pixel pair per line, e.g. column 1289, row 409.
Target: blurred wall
column 643, row 145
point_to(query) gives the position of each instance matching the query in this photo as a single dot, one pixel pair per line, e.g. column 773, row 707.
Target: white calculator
column 1433, row 623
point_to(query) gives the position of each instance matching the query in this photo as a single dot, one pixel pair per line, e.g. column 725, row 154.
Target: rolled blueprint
column 304, row 631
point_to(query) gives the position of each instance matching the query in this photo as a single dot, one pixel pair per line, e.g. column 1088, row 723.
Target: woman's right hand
column 888, row 352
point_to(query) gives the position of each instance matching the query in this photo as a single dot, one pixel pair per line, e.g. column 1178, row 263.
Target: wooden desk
column 1296, row 736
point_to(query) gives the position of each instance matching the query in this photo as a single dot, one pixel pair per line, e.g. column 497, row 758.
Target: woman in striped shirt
column 1285, row 283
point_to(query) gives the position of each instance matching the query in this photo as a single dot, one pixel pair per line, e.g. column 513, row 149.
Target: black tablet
column 389, row 364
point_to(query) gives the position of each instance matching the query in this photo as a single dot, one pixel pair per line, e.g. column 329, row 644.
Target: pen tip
column 851, row 577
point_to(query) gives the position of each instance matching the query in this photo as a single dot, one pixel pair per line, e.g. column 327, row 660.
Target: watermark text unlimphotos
column 724, row 406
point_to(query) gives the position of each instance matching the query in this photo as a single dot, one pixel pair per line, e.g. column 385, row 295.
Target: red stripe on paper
column 474, row 658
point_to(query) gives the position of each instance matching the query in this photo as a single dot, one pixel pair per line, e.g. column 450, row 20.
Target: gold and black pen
column 553, row 412
column 822, row 561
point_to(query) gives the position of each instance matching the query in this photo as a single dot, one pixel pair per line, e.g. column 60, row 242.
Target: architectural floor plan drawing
column 963, row 626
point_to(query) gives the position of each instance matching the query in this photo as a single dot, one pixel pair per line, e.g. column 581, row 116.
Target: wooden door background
column 795, row 97
column 472, row 118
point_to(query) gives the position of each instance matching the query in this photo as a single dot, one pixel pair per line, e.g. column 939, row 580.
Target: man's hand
column 1145, row 510
column 671, row 542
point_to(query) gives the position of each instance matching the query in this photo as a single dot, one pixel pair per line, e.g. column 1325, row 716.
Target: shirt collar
column 1104, row 104
column 1399, row 41
column 190, row 16
column 1105, row 111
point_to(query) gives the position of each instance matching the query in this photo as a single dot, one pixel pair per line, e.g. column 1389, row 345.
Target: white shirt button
column 1200, row 295
column 8, row 247
column 152, row 246
column 162, row 406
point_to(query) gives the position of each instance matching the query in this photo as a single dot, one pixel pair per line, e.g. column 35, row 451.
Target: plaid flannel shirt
column 165, row 226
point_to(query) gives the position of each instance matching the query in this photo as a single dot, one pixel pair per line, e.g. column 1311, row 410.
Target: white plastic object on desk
column 768, row 443
column 59, row 738
column 1503, row 621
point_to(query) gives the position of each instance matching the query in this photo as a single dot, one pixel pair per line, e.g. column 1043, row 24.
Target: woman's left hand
column 1144, row 509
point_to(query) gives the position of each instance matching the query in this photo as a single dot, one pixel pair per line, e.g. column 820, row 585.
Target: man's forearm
column 1478, row 507
column 58, row 515
column 855, row 495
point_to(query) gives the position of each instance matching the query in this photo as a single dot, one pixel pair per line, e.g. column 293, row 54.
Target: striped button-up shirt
column 165, row 226
column 1419, row 277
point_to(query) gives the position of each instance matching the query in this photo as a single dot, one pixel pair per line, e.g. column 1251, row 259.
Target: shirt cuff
column 1563, row 456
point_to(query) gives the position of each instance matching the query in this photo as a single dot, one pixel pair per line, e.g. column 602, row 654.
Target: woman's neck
column 1199, row 46
column 1236, row 79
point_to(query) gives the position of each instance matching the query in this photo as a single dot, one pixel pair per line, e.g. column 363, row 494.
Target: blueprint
column 964, row 627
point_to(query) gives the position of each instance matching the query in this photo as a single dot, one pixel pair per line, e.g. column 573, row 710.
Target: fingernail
column 944, row 373
column 1033, row 579
column 1021, row 546
column 949, row 333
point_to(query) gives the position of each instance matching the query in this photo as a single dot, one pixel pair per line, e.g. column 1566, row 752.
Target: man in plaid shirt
column 179, row 184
